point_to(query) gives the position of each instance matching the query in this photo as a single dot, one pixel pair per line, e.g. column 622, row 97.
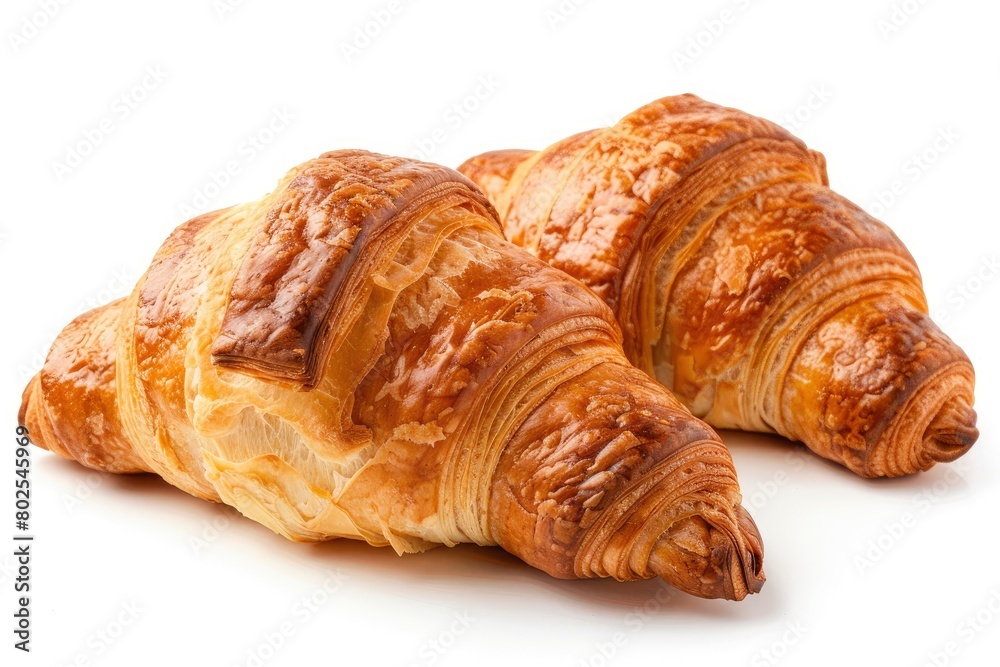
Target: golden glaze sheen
column 361, row 354
column 763, row 299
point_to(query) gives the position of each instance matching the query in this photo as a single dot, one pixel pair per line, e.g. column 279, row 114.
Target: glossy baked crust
column 762, row 298
column 361, row 354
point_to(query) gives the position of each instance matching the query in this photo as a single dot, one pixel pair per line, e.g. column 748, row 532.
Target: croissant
column 361, row 354
column 763, row 299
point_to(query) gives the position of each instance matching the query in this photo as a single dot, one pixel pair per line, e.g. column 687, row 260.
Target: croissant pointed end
column 952, row 431
column 936, row 425
column 28, row 415
column 711, row 556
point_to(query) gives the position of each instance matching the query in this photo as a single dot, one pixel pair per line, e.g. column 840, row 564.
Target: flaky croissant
column 361, row 354
column 763, row 299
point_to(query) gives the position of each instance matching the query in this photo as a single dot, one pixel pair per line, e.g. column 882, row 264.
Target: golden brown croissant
column 763, row 299
column 361, row 354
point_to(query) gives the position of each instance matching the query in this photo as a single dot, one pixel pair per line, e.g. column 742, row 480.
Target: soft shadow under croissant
column 763, row 299
column 361, row 354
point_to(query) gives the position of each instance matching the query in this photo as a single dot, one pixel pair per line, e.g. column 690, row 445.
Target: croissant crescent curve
column 361, row 354
column 763, row 299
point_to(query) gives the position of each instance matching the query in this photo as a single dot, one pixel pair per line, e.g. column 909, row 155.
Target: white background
column 104, row 541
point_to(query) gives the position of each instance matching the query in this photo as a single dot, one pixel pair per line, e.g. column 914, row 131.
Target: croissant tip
column 700, row 558
column 24, row 413
column 936, row 425
column 952, row 431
